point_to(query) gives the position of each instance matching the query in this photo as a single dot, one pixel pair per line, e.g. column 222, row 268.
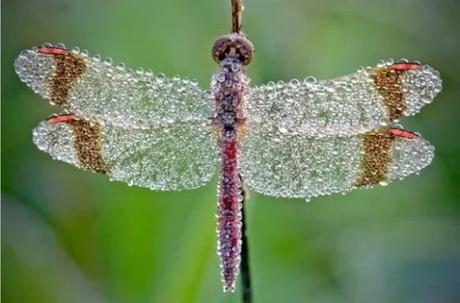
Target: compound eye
column 233, row 44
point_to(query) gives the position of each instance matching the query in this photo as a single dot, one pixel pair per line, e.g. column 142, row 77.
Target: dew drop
column 84, row 53
column 294, row 83
column 310, row 80
column 97, row 57
column 121, row 66
column 76, row 50
column 140, row 71
column 108, row 61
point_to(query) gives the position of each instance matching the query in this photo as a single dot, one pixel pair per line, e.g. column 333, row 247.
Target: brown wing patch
column 388, row 82
column 87, row 142
column 377, row 151
column 69, row 67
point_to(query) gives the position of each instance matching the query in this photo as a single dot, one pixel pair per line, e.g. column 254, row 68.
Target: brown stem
column 245, row 273
column 237, row 10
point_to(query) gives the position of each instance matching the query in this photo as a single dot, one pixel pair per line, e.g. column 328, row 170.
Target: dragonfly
column 294, row 139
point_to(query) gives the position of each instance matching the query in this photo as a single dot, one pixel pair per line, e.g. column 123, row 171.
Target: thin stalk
column 237, row 11
column 245, row 273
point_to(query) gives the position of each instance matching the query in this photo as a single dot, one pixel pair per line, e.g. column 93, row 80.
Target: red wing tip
column 403, row 133
column 51, row 50
column 61, row 119
column 405, row 66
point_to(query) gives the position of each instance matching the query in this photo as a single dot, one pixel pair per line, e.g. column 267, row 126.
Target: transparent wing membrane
column 351, row 104
column 296, row 166
column 97, row 90
column 182, row 156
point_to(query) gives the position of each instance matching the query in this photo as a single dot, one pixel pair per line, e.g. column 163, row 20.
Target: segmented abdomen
column 229, row 214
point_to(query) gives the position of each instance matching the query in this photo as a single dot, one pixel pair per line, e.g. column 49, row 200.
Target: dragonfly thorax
column 233, row 45
column 228, row 86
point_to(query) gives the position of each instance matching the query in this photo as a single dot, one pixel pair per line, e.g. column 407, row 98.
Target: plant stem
column 237, row 10
column 245, row 274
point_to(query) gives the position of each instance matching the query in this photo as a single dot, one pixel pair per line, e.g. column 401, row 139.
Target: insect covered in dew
column 296, row 139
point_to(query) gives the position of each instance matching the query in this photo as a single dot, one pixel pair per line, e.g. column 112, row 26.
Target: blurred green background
column 73, row 236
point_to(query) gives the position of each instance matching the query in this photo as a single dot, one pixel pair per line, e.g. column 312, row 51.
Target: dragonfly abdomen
column 229, row 213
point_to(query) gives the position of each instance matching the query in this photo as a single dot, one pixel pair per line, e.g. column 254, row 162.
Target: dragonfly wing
column 351, row 104
column 296, row 166
column 95, row 89
column 180, row 156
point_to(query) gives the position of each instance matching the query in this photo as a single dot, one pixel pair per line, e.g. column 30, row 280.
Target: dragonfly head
column 233, row 45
